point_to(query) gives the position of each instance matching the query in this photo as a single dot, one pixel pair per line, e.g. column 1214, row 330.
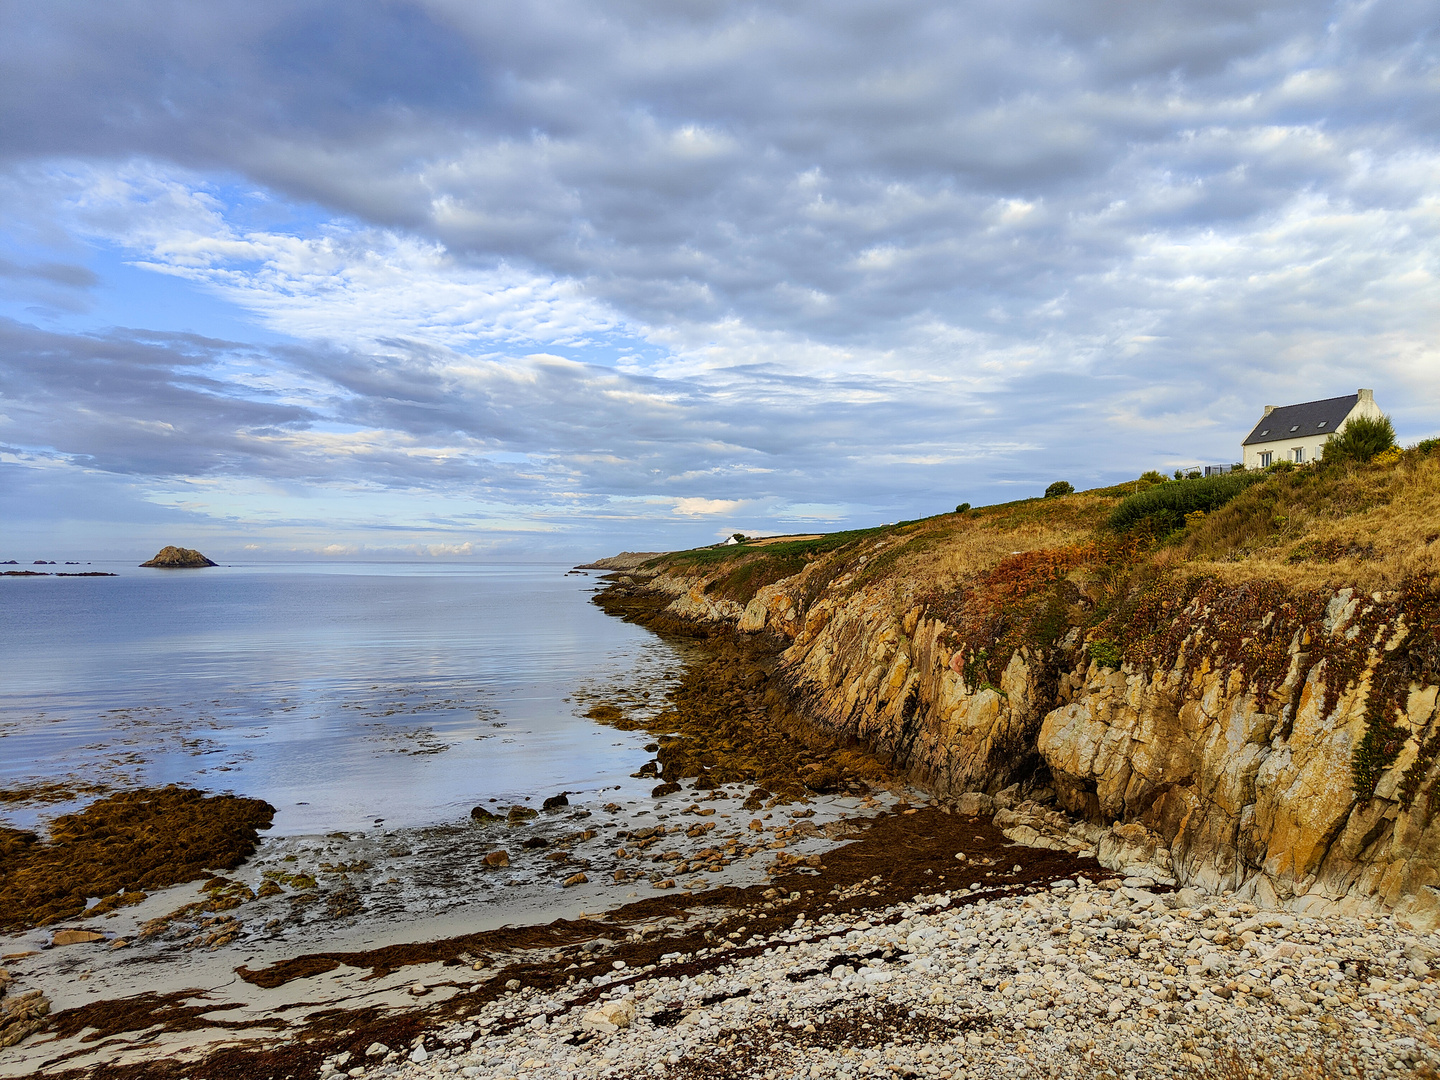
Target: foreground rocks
column 20, row 1014
column 1115, row 977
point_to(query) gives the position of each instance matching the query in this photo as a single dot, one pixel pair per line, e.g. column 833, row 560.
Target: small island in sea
column 178, row 558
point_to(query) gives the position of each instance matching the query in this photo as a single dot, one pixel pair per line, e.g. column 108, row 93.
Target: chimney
column 1367, row 395
column 1271, row 408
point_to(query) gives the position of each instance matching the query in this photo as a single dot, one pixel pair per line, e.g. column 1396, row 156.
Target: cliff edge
column 178, row 558
column 1242, row 698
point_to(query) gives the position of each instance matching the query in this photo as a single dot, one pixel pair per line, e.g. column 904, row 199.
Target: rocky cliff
column 1238, row 732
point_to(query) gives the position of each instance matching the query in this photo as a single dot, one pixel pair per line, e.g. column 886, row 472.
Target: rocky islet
column 171, row 557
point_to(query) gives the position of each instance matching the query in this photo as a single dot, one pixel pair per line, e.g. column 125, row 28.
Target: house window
column 1266, row 457
column 1321, row 424
column 1297, row 455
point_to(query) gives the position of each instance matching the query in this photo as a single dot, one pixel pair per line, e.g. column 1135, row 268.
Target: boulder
column 521, row 813
column 76, row 937
column 974, row 803
column 22, row 1015
column 612, row 1016
column 555, row 802
column 496, row 860
column 482, row 816
column 178, row 558
column 575, row 879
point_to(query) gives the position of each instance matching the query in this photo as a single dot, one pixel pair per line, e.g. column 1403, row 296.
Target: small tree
column 1152, row 477
column 1361, row 440
column 962, row 508
column 1058, row 488
column 739, row 538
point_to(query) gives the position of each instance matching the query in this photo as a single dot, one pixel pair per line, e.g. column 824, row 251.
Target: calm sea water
column 341, row 694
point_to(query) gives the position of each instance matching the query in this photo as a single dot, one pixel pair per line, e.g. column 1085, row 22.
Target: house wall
column 1281, row 448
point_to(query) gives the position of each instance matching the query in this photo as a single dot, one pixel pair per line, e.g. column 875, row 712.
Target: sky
column 551, row 279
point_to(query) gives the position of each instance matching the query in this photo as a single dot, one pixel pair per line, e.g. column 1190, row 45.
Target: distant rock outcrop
column 626, row 560
column 178, row 558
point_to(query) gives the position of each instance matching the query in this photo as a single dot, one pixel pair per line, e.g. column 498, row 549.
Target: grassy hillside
column 1118, row 562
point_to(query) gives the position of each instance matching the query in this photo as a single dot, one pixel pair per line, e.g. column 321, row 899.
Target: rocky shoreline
column 977, row 936
column 1101, row 976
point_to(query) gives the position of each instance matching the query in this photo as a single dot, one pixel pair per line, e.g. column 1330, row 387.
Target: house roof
column 1307, row 418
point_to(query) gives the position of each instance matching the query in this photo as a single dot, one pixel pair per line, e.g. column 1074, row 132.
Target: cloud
column 545, row 266
column 54, row 273
column 707, row 507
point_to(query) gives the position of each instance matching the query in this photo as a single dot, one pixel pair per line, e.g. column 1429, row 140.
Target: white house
column 1298, row 432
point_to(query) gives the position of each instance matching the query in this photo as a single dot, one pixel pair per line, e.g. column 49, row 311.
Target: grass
column 1321, row 526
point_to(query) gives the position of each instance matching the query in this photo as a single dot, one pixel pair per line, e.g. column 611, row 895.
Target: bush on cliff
column 1163, row 507
column 1361, row 440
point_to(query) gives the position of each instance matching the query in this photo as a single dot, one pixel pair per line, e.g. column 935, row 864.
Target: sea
column 349, row 696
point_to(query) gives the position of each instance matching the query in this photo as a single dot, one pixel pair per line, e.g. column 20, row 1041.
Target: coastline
column 892, row 956
column 178, row 939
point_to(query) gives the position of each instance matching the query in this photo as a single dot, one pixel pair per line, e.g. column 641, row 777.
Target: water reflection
column 342, row 694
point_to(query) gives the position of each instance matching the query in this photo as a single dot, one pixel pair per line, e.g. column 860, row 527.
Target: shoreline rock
column 1219, row 778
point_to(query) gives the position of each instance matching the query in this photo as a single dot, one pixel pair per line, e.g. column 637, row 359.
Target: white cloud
column 697, row 507
column 341, row 282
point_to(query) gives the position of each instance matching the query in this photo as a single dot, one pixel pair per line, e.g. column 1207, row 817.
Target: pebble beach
column 1114, row 977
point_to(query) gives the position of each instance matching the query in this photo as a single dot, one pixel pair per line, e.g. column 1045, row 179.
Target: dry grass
column 1368, row 526
column 941, row 556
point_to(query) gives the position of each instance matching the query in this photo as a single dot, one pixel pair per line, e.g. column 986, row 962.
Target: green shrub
column 1106, row 653
column 1152, row 477
column 962, row 508
column 1426, row 446
column 1163, row 507
column 1361, row 440
column 1058, row 488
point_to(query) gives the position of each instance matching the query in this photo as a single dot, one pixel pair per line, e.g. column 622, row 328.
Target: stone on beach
column 950, row 985
column 496, row 860
column 613, row 1016
column 21, row 1015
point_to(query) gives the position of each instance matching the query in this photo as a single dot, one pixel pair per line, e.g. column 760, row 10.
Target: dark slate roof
column 1310, row 417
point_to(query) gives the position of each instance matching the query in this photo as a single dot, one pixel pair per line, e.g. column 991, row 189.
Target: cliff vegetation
column 1231, row 680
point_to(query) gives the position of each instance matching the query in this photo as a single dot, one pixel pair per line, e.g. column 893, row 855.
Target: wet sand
column 284, row 1008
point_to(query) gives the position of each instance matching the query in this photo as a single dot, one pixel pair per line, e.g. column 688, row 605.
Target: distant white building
column 1298, row 432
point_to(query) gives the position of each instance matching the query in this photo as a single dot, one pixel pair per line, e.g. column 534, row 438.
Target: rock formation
column 178, row 558
column 1280, row 745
